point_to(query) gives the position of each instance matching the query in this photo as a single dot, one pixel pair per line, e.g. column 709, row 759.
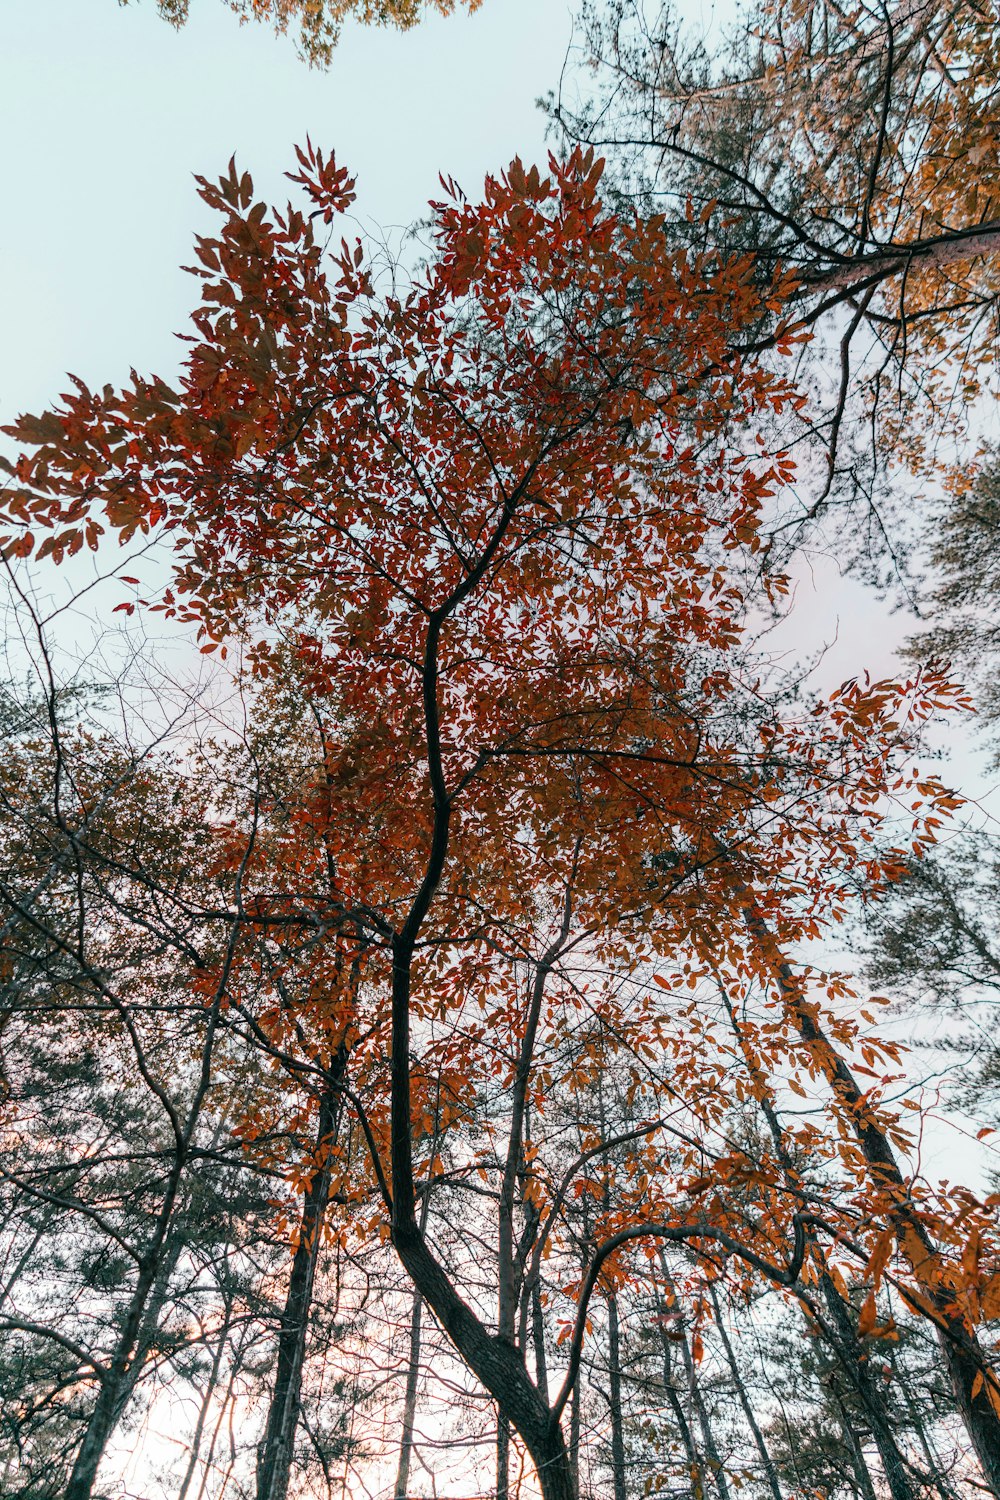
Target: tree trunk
column 211, row 1385
column 503, row 1456
column 857, row 1366
column 275, row 1456
column 767, row 1464
column 973, row 1383
column 409, row 1401
column 412, row 1376
column 495, row 1361
column 845, row 1341
column 615, row 1396
column 712, row 1453
column 538, row 1340
column 574, row 1439
column 683, row 1426
column 852, row 1447
column 140, row 1324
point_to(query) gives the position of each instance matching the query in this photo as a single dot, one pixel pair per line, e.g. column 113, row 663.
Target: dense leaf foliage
column 517, row 813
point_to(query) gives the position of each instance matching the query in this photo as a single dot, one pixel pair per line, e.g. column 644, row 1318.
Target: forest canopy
column 491, row 1019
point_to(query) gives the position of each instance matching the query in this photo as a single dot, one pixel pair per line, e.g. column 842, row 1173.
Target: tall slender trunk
column 614, row 1339
column 701, row 1411
column 855, row 1453
column 503, row 1456
column 205, row 1403
column 766, row 1462
column 123, row 1370
column 274, row 1460
column 412, row 1378
column 843, row 1337
column 935, row 1468
column 691, row 1452
column 615, row 1397
column 574, row 1438
column 538, row 1341
column 974, row 1385
column 494, row 1359
column 409, row 1401
column 855, row 1362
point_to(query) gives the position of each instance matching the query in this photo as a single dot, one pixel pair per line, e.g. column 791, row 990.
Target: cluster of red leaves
column 497, row 520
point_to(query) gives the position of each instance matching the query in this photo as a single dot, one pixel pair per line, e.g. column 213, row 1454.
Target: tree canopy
column 462, row 974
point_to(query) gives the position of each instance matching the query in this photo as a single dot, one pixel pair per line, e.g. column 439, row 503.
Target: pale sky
column 106, row 112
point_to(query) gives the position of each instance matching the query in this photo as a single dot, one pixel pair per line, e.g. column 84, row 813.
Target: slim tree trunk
column 538, row 1340
column 574, row 1438
column 680, row 1417
column 503, row 1456
column 615, row 1396
column 712, row 1453
column 935, row 1468
column 767, row 1464
column 141, row 1319
column 409, row 1401
column 974, row 1385
column 412, row 1378
column 844, row 1340
column 211, row 1385
column 853, row 1449
column 275, row 1457
column 856, row 1363
column 494, row 1359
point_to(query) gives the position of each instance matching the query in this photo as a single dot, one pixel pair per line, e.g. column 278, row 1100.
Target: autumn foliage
column 318, row 22
column 497, row 522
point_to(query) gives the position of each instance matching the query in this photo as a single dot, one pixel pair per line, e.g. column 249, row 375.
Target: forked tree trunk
column 495, row 1360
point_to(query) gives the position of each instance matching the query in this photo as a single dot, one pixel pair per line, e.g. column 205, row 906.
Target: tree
column 857, row 150
column 962, row 542
column 138, row 1236
column 503, row 519
column 319, row 21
